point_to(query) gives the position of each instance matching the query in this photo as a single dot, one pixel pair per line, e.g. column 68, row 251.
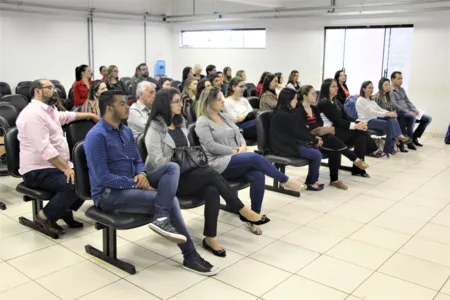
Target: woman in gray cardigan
column 166, row 130
column 227, row 151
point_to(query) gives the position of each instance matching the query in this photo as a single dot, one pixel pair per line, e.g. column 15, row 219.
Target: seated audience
column 164, row 82
column 240, row 109
column 378, row 118
column 348, row 130
column 166, row 131
column 343, row 92
column 280, row 84
column 112, row 79
column 259, row 86
column 187, row 73
column 82, row 84
column 405, row 107
column 293, row 82
column 268, row 99
column 383, row 99
column 332, row 146
column 91, row 106
column 289, row 136
column 120, row 183
column 202, row 84
column 45, row 158
column 103, row 70
column 227, row 75
column 227, row 153
column 140, row 111
column 210, row 69
column 198, row 72
column 140, row 75
column 241, row 74
column 189, row 95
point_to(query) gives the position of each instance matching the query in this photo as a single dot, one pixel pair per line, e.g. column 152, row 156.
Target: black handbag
column 189, row 158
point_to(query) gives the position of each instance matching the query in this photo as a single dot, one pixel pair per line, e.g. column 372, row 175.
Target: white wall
column 159, row 46
column 299, row 43
column 120, row 43
column 36, row 46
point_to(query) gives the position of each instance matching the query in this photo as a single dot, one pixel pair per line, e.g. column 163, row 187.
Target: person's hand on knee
column 142, row 182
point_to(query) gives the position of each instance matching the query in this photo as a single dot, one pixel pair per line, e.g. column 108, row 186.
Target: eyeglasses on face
column 50, row 87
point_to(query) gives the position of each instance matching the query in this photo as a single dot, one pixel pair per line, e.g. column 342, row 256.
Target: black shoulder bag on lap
column 189, row 158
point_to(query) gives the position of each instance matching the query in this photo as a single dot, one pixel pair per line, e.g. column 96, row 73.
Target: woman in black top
column 165, row 131
column 112, row 79
column 289, row 136
column 343, row 92
column 332, row 146
column 348, row 130
column 293, row 81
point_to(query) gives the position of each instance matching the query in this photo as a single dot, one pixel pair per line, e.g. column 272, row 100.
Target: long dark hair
column 279, row 75
column 186, row 72
column 161, row 108
column 284, row 99
column 78, row 70
column 291, row 78
column 364, row 85
column 94, row 89
column 225, row 76
column 325, row 89
column 266, row 84
column 383, row 96
column 261, row 80
column 201, row 87
column 338, row 74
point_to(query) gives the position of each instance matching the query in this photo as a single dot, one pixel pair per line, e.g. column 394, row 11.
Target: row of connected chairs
column 109, row 223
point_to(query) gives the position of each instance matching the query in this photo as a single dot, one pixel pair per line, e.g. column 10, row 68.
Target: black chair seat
column 189, row 201
column 33, row 193
column 291, row 161
column 238, row 185
column 375, row 132
column 118, row 221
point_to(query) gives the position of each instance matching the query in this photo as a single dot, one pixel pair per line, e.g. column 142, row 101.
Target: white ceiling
column 188, row 8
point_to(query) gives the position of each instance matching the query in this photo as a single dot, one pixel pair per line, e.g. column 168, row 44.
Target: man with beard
column 120, row 183
column 44, row 155
column 140, row 75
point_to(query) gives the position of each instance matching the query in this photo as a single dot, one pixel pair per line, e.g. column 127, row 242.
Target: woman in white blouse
column 240, row 109
column 379, row 118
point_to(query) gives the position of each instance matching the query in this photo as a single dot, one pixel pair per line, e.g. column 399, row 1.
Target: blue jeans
column 314, row 156
column 253, row 167
column 159, row 203
column 53, row 180
column 249, row 129
column 392, row 129
column 411, row 122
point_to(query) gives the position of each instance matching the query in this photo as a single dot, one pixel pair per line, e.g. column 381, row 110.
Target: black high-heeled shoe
column 264, row 220
column 220, row 253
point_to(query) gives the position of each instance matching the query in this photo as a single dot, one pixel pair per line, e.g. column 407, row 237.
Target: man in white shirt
column 140, row 111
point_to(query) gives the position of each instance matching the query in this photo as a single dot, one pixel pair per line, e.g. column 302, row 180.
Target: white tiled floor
column 385, row 238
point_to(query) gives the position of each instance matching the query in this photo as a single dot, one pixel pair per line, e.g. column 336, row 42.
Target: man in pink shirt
column 45, row 158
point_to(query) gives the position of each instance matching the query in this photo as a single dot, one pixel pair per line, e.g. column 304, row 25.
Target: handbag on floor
column 189, row 158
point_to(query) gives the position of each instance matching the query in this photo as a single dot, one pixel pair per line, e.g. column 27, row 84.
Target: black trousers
column 53, row 180
column 334, row 162
column 209, row 185
column 360, row 140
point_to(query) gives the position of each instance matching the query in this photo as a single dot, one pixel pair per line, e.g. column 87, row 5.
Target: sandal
column 378, row 154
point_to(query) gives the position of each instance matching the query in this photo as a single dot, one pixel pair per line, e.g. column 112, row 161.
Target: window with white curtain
column 368, row 53
column 234, row 38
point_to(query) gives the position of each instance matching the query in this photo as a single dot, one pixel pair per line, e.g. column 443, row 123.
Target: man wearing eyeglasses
column 140, row 111
column 45, row 158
